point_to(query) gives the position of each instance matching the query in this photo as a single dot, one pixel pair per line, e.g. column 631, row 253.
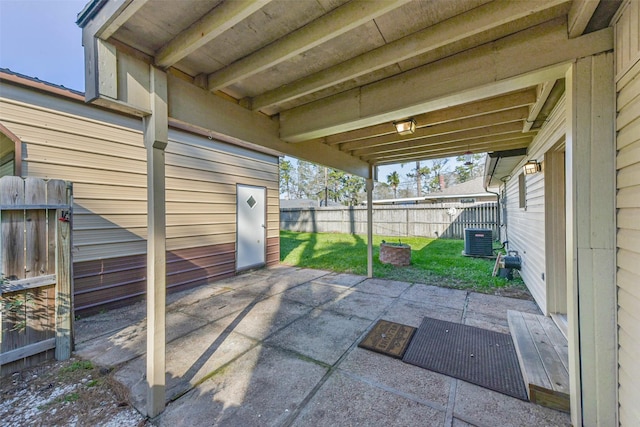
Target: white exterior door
column 251, row 226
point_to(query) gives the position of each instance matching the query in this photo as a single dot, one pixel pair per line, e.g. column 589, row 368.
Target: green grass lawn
column 433, row 261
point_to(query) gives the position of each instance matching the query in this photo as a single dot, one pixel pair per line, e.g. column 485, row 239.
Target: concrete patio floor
column 278, row 347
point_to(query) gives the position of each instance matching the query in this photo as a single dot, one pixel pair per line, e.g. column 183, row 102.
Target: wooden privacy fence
column 402, row 221
column 36, row 290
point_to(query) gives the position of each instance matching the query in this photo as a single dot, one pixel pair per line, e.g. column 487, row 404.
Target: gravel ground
column 68, row 393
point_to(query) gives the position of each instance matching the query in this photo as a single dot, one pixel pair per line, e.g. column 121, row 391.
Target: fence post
column 12, row 246
column 63, row 287
column 406, row 216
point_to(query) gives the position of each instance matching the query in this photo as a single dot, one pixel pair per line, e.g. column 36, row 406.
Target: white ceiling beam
column 207, row 28
column 486, row 131
column 459, row 148
column 508, row 116
column 121, row 18
column 101, row 22
column 579, row 15
column 500, row 103
column 327, row 27
column 460, row 27
column 454, row 151
column 515, row 62
column 545, row 91
column 474, row 145
column 230, row 122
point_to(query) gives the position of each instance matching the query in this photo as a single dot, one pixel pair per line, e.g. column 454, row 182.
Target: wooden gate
column 36, row 284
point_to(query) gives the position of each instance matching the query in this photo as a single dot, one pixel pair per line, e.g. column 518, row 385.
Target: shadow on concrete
column 278, row 347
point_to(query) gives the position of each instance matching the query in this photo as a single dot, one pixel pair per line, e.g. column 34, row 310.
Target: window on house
column 522, row 191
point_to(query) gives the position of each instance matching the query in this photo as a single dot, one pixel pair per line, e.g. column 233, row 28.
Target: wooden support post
column 590, row 238
column 369, row 188
column 156, row 139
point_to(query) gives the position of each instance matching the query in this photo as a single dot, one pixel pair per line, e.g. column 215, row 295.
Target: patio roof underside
column 324, row 80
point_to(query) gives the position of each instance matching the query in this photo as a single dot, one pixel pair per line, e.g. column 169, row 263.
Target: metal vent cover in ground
column 478, row 242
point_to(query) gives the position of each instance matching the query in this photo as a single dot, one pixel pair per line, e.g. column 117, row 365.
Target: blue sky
column 40, row 38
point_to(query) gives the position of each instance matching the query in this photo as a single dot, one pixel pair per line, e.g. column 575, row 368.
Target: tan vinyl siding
column 525, row 232
column 103, row 158
column 628, row 217
column 106, row 283
column 103, row 154
column 273, row 250
column 201, row 178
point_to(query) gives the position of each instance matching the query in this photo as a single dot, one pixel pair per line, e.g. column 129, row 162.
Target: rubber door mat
column 479, row 356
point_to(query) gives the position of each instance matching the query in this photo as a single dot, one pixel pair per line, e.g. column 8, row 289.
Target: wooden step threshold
column 543, row 355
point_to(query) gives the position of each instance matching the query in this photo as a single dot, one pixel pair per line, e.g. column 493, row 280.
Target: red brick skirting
column 395, row 254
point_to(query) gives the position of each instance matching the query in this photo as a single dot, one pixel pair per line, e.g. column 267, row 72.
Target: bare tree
column 419, row 173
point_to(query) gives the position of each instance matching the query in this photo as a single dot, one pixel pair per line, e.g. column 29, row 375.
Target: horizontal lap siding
column 273, row 250
column 108, row 283
column 273, row 224
column 103, row 155
column 201, row 178
column 628, row 217
column 526, row 232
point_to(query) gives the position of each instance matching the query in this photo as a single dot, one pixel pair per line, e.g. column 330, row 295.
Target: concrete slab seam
column 448, row 421
column 470, row 421
column 392, row 390
column 464, row 308
column 296, row 413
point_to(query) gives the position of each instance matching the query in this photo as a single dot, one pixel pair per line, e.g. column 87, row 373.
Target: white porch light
column 405, row 127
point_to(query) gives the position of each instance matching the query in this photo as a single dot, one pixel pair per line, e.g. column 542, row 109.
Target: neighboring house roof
column 35, row 83
column 298, row 203
column 473, row 188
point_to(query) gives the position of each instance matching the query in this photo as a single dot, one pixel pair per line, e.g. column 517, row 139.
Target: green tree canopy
column 468, row 171
column 438, row 172
column 285, row 178
column 393, row 179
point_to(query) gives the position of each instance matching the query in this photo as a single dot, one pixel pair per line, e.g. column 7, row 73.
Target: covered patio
column 358, row 84
column 279, row 347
